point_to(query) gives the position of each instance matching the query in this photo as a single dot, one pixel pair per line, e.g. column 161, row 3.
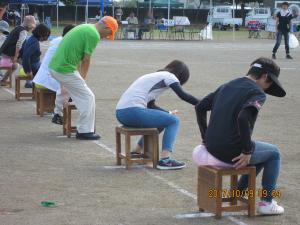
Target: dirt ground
column 38, row 164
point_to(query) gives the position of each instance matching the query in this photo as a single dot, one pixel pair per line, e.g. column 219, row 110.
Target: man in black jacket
column 283, row 20
column 234, row 108
column 12, row 45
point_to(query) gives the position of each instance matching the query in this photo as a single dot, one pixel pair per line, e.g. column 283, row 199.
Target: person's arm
column 152, row 105
column 177, row 88
column 21, row 40
column 246, row 117
column 277, row 20
column 85, row 64
column 201, row 113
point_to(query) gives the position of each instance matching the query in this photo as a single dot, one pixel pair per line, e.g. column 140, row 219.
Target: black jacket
column 9, row 46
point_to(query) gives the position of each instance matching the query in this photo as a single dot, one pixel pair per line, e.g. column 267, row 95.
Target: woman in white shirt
column 136, row 108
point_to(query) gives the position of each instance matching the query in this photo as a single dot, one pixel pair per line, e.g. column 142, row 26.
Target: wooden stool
column 45, row 101
column 18, row 93
column 68, row 129
column 8, row 82
column 211, row 196
column 151, row 139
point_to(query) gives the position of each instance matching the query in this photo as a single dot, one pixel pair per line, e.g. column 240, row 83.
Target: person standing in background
column 283, row 20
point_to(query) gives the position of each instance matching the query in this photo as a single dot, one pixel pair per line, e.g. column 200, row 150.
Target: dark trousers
column 278, row 41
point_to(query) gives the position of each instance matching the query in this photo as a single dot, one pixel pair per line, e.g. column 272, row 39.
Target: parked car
column 258, row 14
column 222, row 17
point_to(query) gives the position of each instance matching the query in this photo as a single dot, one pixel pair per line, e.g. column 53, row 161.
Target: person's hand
column 174, row 112
column 241, row 161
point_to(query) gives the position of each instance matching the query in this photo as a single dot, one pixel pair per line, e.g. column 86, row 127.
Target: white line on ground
column 204, row 214
column 9, row 91
column 169, row 183
column 105, row 147
column 174, row 186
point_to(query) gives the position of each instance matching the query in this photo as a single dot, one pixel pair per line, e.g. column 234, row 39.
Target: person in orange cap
column 70, row 65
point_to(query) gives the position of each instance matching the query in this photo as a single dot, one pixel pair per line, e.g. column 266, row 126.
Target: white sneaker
column 269, row 208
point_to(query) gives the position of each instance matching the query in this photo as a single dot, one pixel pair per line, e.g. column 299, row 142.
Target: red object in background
column 254, row 25
column 2, row 11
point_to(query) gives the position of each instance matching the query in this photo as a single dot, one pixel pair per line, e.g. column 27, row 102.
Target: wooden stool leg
column 64, row 120
column 33, row 91
column 146, row 146
column 10, row 81
column 251, row 187
column 218, row 182
column 17, row 89
column 155, row 153
column 233, row 186
column 42, row 103
column 38, row 103
column 69, row 121
column 127, row 151
column 118, row 147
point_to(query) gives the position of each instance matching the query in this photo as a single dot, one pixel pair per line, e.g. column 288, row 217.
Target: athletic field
column 38, row 164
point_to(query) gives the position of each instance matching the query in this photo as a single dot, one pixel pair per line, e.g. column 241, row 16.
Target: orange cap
column 112, row 24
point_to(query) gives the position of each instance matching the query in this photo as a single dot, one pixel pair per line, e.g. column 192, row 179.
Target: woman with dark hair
column 31, row 51
column 136, row 108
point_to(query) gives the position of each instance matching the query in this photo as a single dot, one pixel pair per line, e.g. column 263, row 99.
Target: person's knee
column 176, row 120
column 91, row 97
column 276, row 153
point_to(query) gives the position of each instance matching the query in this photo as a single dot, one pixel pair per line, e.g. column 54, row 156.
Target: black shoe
column 57, row 119
column 28, row 84
column 273, row 56
column 136, row 155
column 87, row 136
column 288, row 56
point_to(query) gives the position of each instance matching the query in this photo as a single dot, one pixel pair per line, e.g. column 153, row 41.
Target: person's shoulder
column 56, row 40
column 164, row 73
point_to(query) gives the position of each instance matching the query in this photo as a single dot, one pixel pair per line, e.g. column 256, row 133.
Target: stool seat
column 45, row 101
column 151, row 145
column 18, row 93
column 214, row 198
column 68, row 129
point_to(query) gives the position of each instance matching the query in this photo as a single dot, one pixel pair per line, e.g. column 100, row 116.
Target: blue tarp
column 34, row 2
column 94, row 2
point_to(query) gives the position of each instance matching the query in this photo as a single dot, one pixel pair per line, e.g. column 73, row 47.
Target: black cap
column 276, row 88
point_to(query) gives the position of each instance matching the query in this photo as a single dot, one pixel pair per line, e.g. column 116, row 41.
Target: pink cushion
column 6, row 62
column 203, row 158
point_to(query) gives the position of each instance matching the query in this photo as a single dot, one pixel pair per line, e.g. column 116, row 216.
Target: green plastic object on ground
column 48, row 204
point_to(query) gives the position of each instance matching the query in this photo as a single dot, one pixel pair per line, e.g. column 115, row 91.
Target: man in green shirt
column 70, row 65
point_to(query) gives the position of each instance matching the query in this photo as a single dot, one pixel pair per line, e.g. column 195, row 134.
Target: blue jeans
column 151, row 118
column 266, row 156
column 278, row 41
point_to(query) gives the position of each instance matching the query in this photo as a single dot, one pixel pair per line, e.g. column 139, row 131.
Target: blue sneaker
column 170, row 164
column 28, row 84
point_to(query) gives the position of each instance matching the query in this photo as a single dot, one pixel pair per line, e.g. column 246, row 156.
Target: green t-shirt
column 79, row 41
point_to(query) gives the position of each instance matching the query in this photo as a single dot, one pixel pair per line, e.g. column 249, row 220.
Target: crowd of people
column 234, row 106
